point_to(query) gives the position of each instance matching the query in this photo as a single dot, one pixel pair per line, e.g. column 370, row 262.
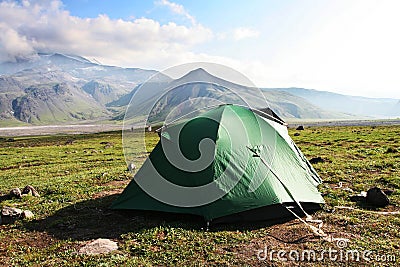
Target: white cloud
column 13, row 45
column 177, row 9
column 43, row 26
column 244, row 33
column 348, row 48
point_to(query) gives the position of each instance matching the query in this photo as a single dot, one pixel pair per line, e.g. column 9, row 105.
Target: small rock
column 11, row 212
column 131, row 167
column 99, row 246
column 15, row 192
column 107, row 144
column 296, row 134
column 27, row 214
column 30, row 190
column 377, row 198
column 9, row 215
column 317, row 160
column 300, row 128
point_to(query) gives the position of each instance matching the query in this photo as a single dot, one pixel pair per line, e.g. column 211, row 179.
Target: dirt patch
column 117, row 183
column 107, row 193
column 31, row 239
column 116, row 187
column 293, row 235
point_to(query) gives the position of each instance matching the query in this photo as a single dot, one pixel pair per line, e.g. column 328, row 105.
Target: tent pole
column 277, row 177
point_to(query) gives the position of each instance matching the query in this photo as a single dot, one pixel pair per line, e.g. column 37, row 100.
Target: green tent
column 230, row 163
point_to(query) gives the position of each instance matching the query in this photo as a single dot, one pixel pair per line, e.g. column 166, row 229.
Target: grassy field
column 78, row 176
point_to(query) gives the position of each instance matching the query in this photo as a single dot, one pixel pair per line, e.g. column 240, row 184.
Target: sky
column 343, row 46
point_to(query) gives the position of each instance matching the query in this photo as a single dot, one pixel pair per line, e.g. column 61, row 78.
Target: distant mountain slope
column 77, row 67
column 187, row 92
column 290, row 106
column 43, row 59
column 9, row 84
column 9, row 90
column 53, row 88
column 56, row 103
column 362, row 106
column 102, row 92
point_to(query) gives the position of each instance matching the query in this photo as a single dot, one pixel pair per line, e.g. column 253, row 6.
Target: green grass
column 12, row 123
column 78, row 181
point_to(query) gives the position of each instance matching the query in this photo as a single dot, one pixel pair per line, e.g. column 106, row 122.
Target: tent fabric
column 244, row 142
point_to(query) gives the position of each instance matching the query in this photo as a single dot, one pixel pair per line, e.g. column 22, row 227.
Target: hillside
column 56, row 103
column 199, row 89
column 357, row 105
column 290, row 106
column 57, row 88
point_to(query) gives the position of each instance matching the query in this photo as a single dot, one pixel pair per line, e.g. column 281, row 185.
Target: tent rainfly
column 255, row 167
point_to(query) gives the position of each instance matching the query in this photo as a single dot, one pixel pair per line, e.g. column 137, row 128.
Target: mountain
column 56, row 103
column 357, row 105
column 102, row 92
column 56, row 88
column 43, row 59
column 9, row 90
column 77, row 67
column 198, row 89
column 52, row 88
column 291, row 106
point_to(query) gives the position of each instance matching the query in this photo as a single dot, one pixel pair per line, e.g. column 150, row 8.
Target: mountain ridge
column 357, row 105
column 27, row 89
column 28, row 93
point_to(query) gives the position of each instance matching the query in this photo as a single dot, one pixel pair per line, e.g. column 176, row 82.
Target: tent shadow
column 92, row 219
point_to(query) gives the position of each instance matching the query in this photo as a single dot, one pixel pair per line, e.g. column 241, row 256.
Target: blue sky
column 342, row 46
